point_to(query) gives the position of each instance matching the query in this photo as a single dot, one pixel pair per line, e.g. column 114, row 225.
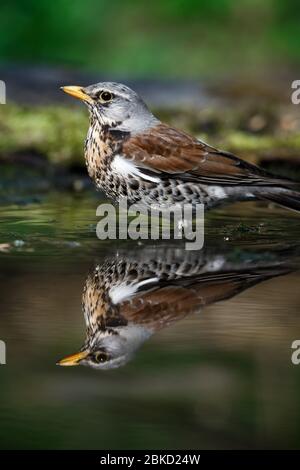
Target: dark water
column 206, row 359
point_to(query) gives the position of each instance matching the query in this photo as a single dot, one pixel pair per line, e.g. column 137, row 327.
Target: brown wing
column 162, row 306
column 166, row 150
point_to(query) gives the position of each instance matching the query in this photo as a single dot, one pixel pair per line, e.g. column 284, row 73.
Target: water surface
column 216, row 375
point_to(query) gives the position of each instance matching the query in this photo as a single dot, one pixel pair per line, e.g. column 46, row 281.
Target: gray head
column 114, row 105
column 110, row 348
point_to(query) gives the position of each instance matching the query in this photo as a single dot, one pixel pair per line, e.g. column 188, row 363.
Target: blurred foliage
column 51, row 131
column 139, row 38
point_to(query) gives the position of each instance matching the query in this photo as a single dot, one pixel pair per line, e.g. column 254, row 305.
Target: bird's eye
column 106, row 96
column 100, row 357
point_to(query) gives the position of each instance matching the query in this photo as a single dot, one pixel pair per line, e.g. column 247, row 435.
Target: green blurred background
column 178, row 38
column 220, row 69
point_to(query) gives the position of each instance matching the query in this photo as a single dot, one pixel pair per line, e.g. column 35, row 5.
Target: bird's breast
column 98, row 152
column 119, row 176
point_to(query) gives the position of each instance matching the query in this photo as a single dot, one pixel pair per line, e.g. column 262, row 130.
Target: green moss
column 54, row 131
column 244, row 142
column 58, row 132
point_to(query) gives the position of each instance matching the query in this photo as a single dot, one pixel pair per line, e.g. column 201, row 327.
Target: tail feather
column 289, row 199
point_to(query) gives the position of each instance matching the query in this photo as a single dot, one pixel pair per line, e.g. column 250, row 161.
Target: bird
column 130, row 153
column 135, row 294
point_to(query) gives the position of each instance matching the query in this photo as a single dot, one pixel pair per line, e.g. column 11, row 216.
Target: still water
column 196, row 355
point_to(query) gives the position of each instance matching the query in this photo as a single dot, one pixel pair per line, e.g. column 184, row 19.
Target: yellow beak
column 77, row 92
column 73, row 359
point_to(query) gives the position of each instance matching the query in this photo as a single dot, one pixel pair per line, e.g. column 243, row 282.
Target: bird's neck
column 101, row 144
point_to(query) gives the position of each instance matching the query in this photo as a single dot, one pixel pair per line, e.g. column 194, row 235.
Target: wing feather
column 171, row 152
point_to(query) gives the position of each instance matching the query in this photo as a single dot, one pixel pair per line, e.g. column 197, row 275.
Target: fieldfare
column 133, row 295
column 130, row 153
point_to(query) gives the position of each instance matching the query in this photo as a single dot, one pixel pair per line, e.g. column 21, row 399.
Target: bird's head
column 114, row 105
column 108, row 349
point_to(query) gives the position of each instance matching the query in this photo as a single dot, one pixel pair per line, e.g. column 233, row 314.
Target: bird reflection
column 132, row 295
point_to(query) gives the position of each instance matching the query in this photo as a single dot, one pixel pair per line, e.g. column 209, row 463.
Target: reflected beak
column 73, row 359
column 77, row 92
